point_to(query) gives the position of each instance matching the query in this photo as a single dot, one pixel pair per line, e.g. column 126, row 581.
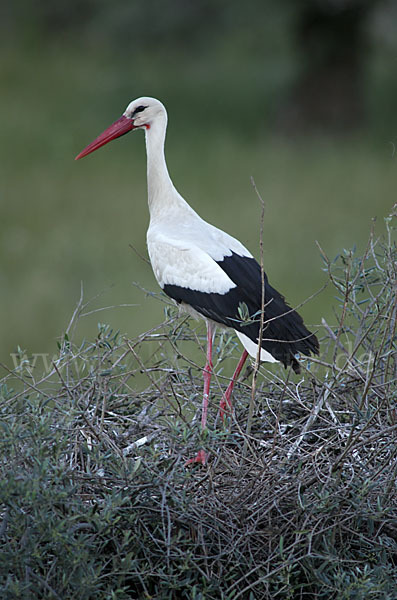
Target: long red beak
column 116, row 129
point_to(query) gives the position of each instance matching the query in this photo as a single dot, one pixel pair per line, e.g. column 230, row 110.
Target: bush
column 96, row 501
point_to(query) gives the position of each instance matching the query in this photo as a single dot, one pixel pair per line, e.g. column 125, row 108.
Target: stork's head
column 141, row 113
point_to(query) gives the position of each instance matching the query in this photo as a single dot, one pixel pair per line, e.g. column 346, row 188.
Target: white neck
column 161, row 191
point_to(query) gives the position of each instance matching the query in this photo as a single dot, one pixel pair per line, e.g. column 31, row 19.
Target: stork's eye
column 138, row 110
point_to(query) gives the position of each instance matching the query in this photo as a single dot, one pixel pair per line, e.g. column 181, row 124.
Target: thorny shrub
column 96, row 502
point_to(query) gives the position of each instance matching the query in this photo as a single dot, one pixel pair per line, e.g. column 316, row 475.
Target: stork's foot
column 201, row 458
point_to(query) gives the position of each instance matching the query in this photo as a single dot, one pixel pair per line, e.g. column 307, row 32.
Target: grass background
column 65, row 225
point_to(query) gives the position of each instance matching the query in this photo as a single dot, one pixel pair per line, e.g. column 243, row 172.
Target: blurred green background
column 300, row 95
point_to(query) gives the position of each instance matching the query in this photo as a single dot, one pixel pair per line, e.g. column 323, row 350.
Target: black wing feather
column 284, row 333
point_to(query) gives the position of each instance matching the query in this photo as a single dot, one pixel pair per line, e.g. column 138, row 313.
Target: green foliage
column 95, row 500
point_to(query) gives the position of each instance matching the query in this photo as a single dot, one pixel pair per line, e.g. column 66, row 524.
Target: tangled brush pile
column 95, row 500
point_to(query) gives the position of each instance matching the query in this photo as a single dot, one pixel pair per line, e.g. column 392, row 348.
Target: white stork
column 205, row 270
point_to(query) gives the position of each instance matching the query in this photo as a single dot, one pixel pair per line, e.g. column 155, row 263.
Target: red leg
column 226, row 400
column 202, row 456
